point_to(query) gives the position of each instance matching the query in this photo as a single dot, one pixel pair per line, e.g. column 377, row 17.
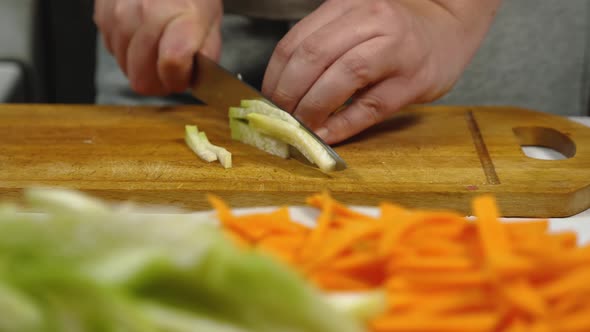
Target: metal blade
column 221, row 89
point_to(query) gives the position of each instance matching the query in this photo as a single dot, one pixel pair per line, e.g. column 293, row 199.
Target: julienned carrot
column 317, row 234
column 335, row 281
column 321, row 200
column 441, row 271
column 446, row 323
column 520, row 295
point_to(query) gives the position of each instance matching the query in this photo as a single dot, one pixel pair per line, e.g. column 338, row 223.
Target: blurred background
column 47, row 51
column 537, row 55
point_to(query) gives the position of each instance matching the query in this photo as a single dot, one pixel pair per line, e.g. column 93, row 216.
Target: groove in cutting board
column 482, row 150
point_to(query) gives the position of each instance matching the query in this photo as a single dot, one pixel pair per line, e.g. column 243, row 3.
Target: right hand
column 154, row 41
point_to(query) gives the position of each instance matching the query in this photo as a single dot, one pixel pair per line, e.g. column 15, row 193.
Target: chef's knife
column 221, row 89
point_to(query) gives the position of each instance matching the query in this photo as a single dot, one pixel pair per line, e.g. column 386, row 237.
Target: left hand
column 384, row 53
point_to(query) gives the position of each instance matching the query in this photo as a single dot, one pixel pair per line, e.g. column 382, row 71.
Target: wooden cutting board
column 427, row 157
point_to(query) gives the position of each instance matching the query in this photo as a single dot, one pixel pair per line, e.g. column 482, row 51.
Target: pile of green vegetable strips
column 82, row 265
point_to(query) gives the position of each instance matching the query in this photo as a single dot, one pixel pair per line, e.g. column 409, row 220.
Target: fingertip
column 174, row 70
column 147, row 88
column 323, row 133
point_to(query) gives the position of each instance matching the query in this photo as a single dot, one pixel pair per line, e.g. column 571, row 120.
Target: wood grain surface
column 427, row 157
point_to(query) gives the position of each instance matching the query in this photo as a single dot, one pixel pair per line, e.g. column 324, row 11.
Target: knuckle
column 382, row 8
column 282, row 98
column 373, row 108
column 358, row 68
column 144, row 8
column 345, row 123
column 284, row 49
column 120, row 11
column 310, row 50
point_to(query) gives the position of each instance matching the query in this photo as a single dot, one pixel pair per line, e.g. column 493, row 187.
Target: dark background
column 69, row 42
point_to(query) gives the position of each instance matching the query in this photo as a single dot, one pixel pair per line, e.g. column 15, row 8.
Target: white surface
column 10, row 76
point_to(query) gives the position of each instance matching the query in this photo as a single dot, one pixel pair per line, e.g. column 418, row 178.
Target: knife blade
column 221, row 89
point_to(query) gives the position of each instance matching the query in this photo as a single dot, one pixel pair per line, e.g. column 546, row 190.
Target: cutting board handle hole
column 545, row 143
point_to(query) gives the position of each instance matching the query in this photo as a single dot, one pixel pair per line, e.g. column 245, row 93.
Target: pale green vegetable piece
column 60, row 199
column 242, row 132
column 170, row 319
column 20, row 312
column 295, row 136
column 261, row 107
column 222, row 154
column 197, row 144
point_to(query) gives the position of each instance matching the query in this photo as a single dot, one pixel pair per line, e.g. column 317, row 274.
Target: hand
column 154, row 41
column 385, row 54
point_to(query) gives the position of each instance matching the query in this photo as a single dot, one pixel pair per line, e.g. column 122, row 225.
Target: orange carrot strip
column 517, row 325
column 396, row 284
column 576, row 322
column 316, row 236
column 452, row 280
column 540, row 326
column 277, row 221
column 576, row 281
column 521, row 295
column 570, row 303
column 432, row 264
column 564, row 240
column 437, row 247
column 397, row 221
column 523, row 229
column 447, row 323
column 354, row 261
column 342, row 239
column 397, row 301
column 455, row 302
column 337, row 282
column 493, row 235
column 362, row 266
column 320, row 200
column 223, row 211
column 285, row 247
column 444, row 230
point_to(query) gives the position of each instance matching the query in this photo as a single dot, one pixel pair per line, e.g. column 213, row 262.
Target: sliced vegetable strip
column 441, row 271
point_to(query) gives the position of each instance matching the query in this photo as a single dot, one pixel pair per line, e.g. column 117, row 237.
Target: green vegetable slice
column 295, row 136
column 242, row 132
column 222, row 154
column 261, row 107
column 20, row 312
column 200, row 144
column 196, row 143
